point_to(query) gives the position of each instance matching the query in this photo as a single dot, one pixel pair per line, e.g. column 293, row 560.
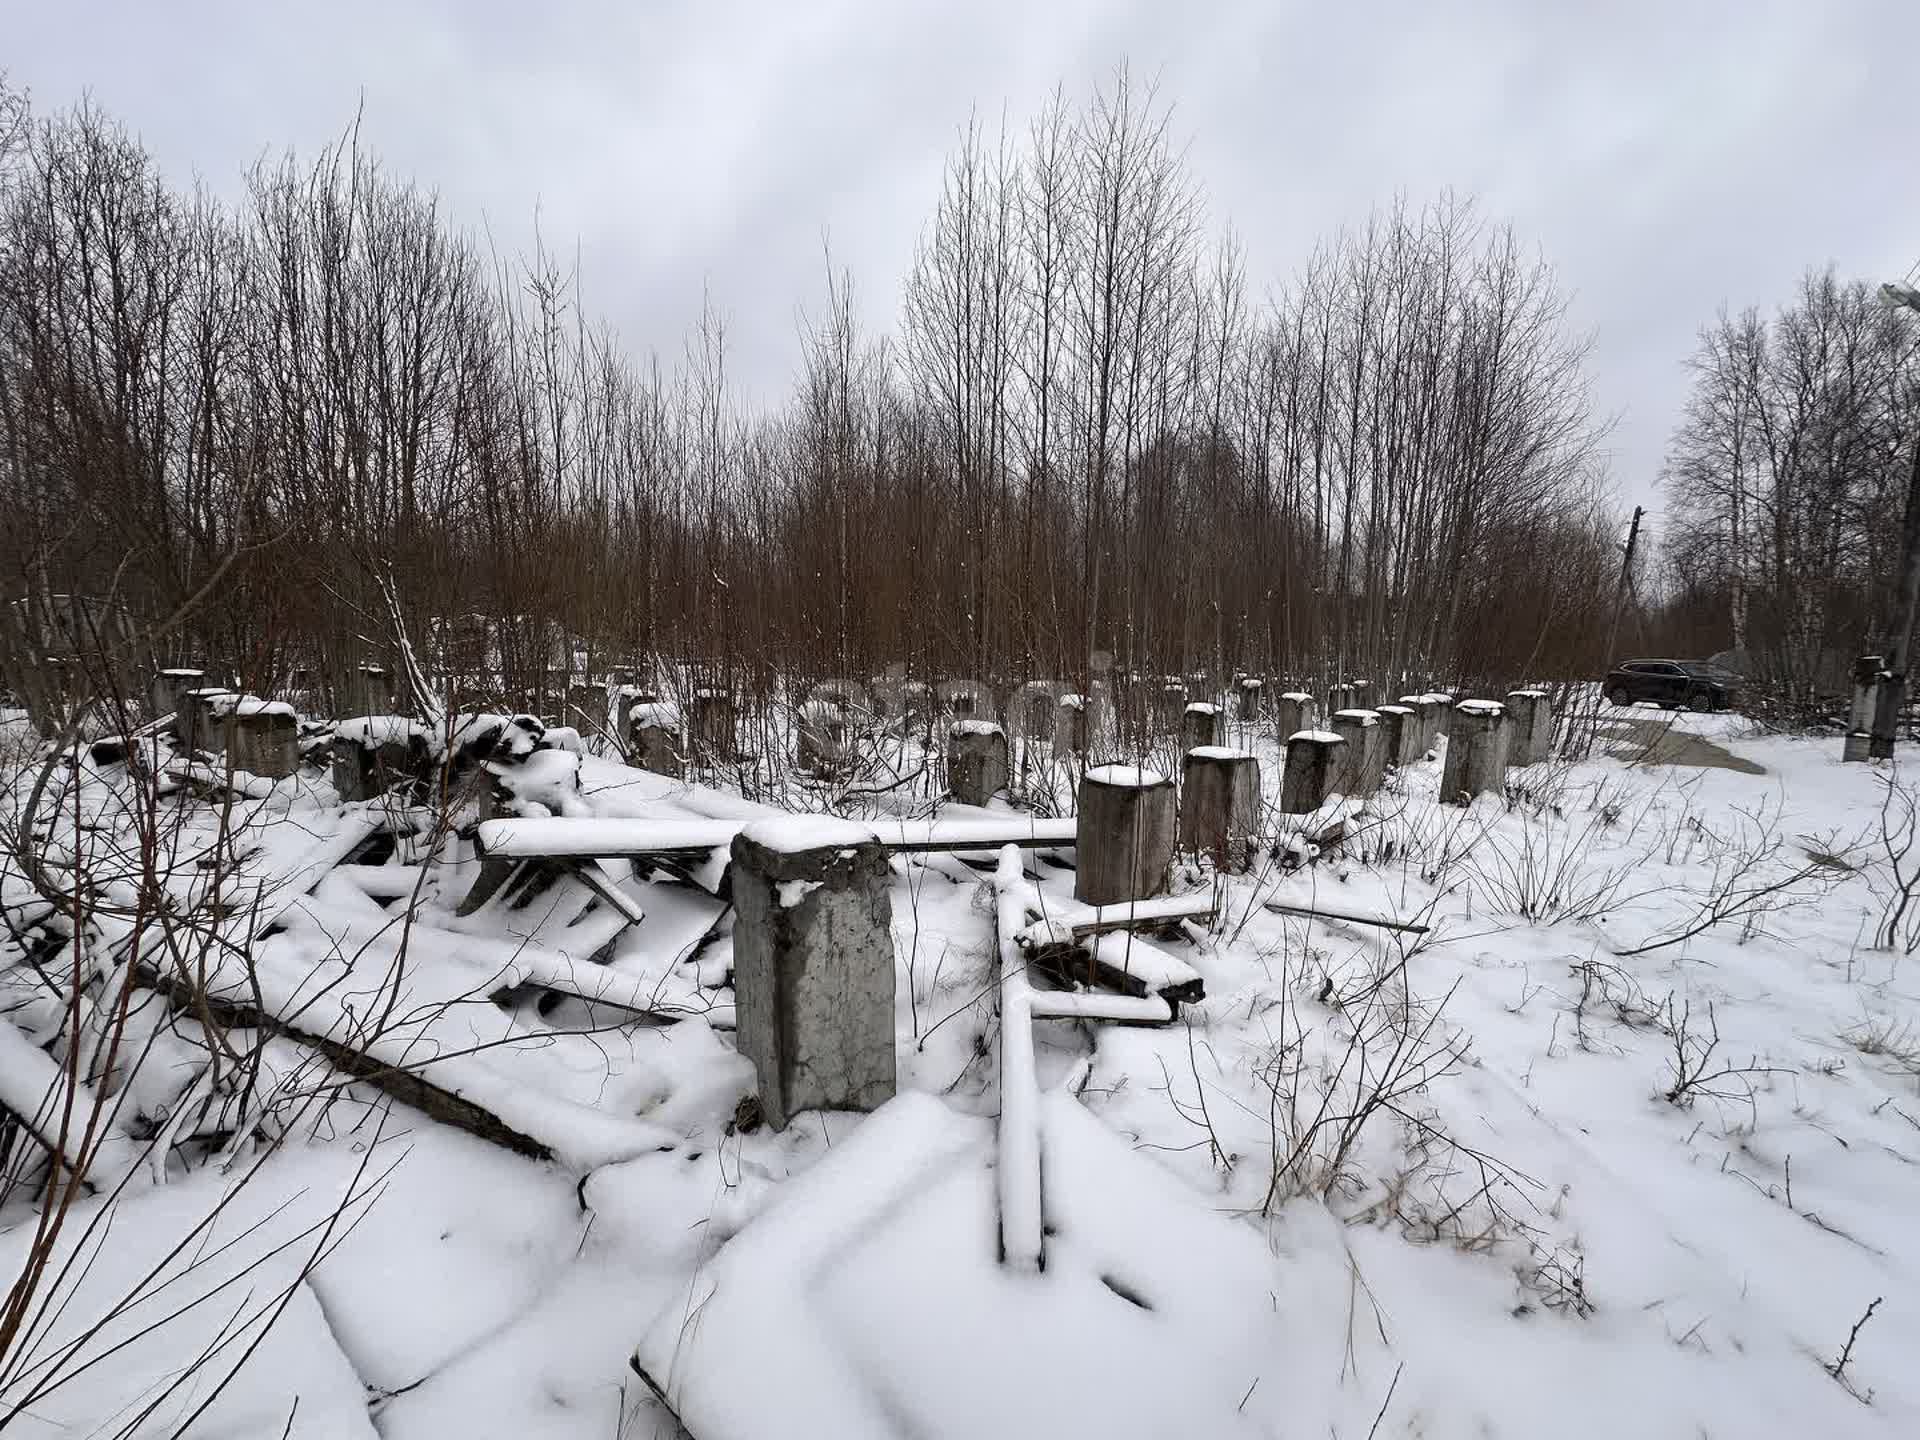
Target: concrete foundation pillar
column 205, row 716
column 168, row 688
column 1070, row 724
column 1476, row 752
column 823, row 737
column 1249, row 689
column 1442, row 712
column 1125, row 835
column 1530, row 718
column 916, row 708
column 1220, row 806
column 1315, row 759
column 655, row 738
column 1341, row 697
column 1426, row 719
column 1362, row 691
column 813, row 965
column 1292, row 713
column 1366, row 755
column 713, row 726
column 1170, row 703
column 263, row 738
column 1200, row 726
column 586, row 709
column 976, row 761
column 1032, row 712
column 1858, row 744
column 1402, row 734
column 372, row 695
column 375, row 753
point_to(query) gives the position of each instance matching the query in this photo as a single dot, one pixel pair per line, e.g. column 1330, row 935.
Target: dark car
column 1671, row 684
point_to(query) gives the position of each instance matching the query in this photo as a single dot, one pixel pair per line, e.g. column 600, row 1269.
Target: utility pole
column 1586, row 722
column 1620, row 587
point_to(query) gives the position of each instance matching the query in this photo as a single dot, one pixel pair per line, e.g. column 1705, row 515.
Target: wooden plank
column 1025, row 831
column 559, row 837
column 596, row 878
column 1164, row 910
column 1351, row 917
column 1083, row 1005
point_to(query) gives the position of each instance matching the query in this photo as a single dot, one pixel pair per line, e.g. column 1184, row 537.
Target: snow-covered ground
column 1626, row 1145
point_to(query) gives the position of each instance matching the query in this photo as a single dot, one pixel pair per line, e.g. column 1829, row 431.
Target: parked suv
column 1671, row 684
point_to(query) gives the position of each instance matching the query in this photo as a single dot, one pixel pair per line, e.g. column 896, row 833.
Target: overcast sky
column 1666, row 157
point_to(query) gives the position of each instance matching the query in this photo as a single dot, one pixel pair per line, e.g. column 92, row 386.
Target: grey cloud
column 1665, row 157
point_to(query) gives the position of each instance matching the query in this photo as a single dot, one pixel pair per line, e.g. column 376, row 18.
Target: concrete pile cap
column 1201, row 707
column 1394, row 710
column 1481, row 707
column 183, row 674
column 655, row 715
column 1365, row 717
column 1317, row 737
column 1130, row 777
column 975, row 727
column 1530, row 694
column 794, row 834
column 1219, row 752
column 1249, row 683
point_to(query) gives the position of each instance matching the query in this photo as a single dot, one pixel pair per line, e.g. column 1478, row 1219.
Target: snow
column 1363, row 717
column 372, row 731
column 791, row 834
column 549, row 779
column 1481, row 707
column 1535, row 1240
column 794, row 892
column 1250, row 683
column 596, row 836
column 1136, row 777
column 656, row 715
column 177, row 1274
column 975, row 727
column 1317, row 737
column 1201, row 707
column 1300, row 695
column 1073, row 702
column 253, row 705
column 1220, row 752
column 1394, row 710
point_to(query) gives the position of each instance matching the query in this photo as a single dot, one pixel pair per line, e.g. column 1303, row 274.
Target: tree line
column 1786, row 482
column 1090, row 431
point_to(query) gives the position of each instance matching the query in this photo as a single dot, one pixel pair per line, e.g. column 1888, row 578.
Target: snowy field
column 1627, row 1144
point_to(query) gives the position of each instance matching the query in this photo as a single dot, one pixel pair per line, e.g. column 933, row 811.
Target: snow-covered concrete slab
column 869, row 1300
